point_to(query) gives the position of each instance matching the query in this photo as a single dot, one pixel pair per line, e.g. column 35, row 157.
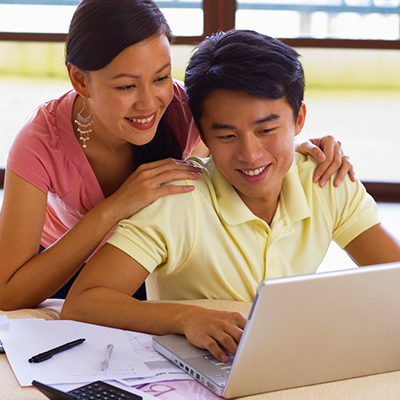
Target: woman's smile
column 142, row 122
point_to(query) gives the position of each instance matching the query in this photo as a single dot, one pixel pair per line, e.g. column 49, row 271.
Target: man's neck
column 263, row 208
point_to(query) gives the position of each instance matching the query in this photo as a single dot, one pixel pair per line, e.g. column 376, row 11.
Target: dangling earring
column 84, row 125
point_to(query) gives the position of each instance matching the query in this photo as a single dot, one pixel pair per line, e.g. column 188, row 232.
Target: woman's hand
column 329, row 153
column 217, row 331
column 149, row 182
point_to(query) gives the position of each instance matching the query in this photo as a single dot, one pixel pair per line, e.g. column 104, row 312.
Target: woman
column 99, row 153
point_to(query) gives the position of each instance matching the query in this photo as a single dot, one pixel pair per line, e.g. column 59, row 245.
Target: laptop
column 304, row 330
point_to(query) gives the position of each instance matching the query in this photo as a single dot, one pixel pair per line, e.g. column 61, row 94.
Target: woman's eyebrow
column 127, row 75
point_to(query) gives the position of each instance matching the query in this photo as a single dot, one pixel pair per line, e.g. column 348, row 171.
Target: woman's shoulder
column 64, row 102
column 47, row 154
column 48, row 122
column 58, row 110
column 178, row 110
column 40, row 144
column 49, row 117
column 179, row 91
column 180, row 120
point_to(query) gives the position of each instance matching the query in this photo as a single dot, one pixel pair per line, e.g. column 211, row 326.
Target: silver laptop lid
column 317, row 328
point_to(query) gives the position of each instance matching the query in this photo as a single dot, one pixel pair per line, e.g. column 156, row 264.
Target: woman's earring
column 84, row 125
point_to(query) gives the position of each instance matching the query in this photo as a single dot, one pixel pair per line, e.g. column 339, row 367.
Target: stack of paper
column 133, row 362
column 132, row 356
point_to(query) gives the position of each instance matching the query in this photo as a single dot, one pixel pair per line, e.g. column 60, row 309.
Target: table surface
column 381, row 386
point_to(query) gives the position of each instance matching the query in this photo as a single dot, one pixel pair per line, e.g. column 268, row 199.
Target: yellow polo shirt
column 208, row 244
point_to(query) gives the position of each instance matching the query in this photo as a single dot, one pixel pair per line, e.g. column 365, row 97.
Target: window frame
column 219, row 15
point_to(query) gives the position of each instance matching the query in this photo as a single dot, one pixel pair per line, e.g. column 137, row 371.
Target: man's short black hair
column 246, row 61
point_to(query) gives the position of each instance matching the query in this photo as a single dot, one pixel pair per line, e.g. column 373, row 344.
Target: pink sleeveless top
column 47, row 154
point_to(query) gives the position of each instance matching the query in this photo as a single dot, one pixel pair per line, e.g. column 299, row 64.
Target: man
column 254, row 214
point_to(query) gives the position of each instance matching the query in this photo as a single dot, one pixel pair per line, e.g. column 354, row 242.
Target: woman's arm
column 103, row 295
column 26, row 277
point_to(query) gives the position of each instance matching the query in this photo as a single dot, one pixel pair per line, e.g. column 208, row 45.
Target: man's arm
column 102, row 294
column 374, row 246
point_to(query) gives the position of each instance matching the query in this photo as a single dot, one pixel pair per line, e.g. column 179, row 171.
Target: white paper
column 25, row 338
column 162, row 369
column 4, row 322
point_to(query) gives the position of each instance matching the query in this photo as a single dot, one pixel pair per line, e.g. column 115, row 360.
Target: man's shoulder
column 305, row 163
column 304, row 167
column 203, row 186
column 182, row 203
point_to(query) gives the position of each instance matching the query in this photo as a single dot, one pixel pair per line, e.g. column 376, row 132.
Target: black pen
column 50, row 353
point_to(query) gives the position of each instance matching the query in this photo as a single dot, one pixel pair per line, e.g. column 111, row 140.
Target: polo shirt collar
column 231, row 207
column 233, row 210
column 293, row 198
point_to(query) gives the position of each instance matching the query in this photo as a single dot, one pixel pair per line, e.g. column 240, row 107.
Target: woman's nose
column 146, row 100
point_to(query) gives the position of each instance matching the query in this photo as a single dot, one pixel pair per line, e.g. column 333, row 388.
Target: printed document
column 24, row 338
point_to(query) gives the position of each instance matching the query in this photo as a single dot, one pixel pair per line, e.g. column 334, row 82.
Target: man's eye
column 226, row 137
column 266, row 131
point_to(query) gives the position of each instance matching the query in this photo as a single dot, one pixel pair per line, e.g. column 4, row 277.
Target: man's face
column 251, row 140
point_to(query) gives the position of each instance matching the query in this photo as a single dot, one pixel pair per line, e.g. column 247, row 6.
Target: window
column 315, row 19
column 184, row 17
column 340, row 19
column 53, row 16
column 36, row 17
column 361, row 37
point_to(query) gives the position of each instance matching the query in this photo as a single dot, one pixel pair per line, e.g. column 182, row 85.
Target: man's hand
column 217, row 331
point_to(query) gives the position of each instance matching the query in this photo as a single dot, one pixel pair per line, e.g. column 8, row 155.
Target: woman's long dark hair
column 164, row 145
column 99, row 31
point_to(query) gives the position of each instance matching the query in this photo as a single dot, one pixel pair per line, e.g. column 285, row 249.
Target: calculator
column 96, row 390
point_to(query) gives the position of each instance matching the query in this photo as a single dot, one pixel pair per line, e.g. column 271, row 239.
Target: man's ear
column 301, row 119
column 79, row 80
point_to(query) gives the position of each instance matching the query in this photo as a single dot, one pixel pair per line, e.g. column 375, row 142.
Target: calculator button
column 103, row 391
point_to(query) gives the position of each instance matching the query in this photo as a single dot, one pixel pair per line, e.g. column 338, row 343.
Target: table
column 381, row 386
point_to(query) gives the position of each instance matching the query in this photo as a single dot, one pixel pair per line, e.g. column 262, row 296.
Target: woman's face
column 129, row 96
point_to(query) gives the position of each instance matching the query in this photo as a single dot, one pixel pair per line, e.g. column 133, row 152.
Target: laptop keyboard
column 102, row 391
column 224, row 368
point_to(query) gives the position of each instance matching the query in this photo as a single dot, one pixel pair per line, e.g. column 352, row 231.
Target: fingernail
column 317, row 178
column 322, row 182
